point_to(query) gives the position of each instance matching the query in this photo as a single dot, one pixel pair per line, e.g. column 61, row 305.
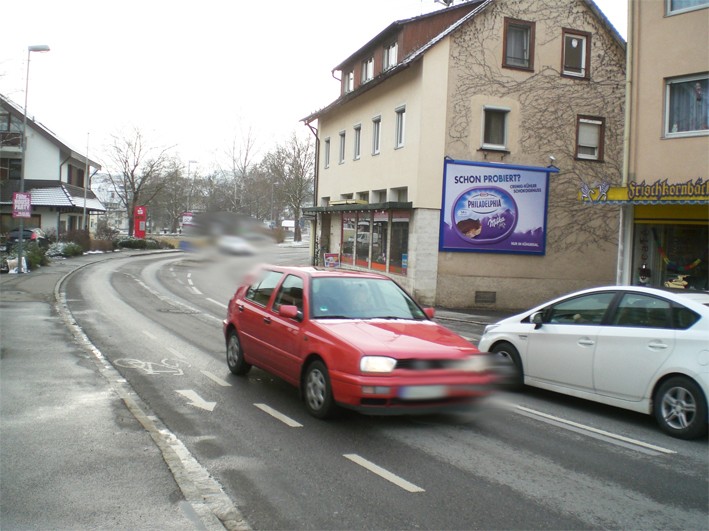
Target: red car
column 351, row 339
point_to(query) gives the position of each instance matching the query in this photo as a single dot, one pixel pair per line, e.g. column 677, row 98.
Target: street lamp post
column 189, row 183
column 30, row 49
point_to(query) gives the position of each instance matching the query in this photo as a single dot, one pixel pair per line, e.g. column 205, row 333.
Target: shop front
column 667, row 231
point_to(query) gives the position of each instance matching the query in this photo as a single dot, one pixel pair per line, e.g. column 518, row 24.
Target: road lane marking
column 196, row 291
column 606, row 435
column 396, row 480
column 196, row 400
column 217, row 303
column 151, row 336
column 280, row 416
column 177, row 353
column 216, row 379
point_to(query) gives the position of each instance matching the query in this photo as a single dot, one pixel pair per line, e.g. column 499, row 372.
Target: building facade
column 453, row 157
column 55, row 175
column 665, row 194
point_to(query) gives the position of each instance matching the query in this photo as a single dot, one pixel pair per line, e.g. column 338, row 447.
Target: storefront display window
column 349, row 222
column 399, row 249
column 672, row 256
column 379, row 240
column 364, row 234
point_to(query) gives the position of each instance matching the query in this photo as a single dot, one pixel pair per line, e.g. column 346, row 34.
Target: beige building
column 453, row 158
column 665, row 196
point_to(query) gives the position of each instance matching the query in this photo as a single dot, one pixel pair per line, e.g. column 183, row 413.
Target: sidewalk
column 72, row 456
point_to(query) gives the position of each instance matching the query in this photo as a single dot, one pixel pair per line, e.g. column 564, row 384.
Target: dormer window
column 390, row 55
column 367, row 69
column 349, row 81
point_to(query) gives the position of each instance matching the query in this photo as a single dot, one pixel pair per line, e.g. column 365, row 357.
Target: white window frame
column 357, row 141
column 490, row 146
column 391, row 53
column 600, row 125
column 584, row 40
column 343, row 146
column 400, row 130
column 349, row 81
column 327, row 152
column 367, row 69
column 669, row 128
column 376, row 135
column 701, row 4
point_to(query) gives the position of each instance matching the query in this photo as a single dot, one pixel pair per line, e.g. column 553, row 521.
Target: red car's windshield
column 361, row 298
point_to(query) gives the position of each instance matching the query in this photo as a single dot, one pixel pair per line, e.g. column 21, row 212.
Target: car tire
column 507, row 358
column 317, row 391
column 681, row 408
column 235, row 355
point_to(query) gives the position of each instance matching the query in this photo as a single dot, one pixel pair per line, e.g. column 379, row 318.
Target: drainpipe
column 625, row 230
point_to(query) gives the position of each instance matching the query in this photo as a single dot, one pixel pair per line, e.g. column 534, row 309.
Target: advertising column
column 140, row 217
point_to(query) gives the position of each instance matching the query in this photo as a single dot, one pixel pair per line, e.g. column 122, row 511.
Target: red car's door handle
column 241, row 307
column 267, row 320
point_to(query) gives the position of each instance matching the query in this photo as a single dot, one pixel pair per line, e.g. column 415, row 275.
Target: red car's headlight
column 377, row 364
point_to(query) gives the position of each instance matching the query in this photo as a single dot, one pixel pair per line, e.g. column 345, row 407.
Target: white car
column 637, row 348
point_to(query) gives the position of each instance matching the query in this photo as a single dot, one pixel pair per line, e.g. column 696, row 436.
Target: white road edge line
column 217, row 303
column 396, row 480
column 280, row 416
column 216, row 379
column 596, row 430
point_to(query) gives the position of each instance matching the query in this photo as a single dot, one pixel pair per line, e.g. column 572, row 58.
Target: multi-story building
column 453, row 157
column 665, row 194
column 55, row 176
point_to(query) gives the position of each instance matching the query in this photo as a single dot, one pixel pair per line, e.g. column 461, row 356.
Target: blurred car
column 229, row 244
column 28, row 235
column 351, row 339
column 637, row 348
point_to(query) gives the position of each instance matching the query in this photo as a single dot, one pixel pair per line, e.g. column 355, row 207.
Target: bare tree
column 138, row 171
column 291, row 166
column 240, row 160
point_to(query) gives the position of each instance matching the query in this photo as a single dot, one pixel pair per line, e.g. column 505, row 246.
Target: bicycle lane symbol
column 165, row 366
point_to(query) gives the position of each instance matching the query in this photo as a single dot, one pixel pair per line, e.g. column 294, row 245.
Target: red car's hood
column 397, row 338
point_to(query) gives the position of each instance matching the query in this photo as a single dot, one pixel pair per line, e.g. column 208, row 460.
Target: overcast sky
column 195, row 75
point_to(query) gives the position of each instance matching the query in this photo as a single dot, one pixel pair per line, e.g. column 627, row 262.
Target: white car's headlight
column 478, row 363
column 377, row 364
column 490, row 328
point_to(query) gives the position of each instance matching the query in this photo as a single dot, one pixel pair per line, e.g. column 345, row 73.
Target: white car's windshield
column 361, row 298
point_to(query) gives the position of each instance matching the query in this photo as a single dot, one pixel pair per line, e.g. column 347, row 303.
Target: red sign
column 140, row 216
column 21, row 205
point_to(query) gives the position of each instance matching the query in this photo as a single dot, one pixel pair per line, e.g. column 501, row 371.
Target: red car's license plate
column 423, row 392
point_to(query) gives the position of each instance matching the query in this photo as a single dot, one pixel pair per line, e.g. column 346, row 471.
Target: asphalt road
column 530, row 460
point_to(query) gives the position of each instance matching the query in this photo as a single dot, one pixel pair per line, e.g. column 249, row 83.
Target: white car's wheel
column 681, row 408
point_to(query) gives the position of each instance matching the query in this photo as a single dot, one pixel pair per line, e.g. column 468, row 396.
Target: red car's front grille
column 425, row 365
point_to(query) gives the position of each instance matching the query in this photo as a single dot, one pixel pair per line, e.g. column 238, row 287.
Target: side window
column 586, row 309
column 261, row 290
column 684, row 317
column 291, row 293
column 518, row 44
column 643, row 311
column 577, row 54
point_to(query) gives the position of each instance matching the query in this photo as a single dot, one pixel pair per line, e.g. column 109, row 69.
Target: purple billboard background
column 494, row 208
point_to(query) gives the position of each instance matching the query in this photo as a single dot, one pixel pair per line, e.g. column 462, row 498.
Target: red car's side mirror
column 288, row 311
column 430, row 312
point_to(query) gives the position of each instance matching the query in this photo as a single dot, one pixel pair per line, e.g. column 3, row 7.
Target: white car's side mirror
column 537, row 320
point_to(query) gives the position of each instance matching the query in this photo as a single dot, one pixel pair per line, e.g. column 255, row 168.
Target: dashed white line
column 151, row 336
column 396, row 480
column 216, row 379
column 218, row 303
column 280, row 416
column 177, row 353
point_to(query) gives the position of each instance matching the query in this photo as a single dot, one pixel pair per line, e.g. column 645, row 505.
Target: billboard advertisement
column 494, row 208
column 21, row 205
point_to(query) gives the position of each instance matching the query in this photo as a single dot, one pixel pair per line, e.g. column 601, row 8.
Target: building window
column 367, row 69
column 686, row 107
column 349, row 81
column 10, row 169
column 576, row 55
column 390, row 55
column 357, row 141
column 681, row 6
column 589, row 137
column 495, row 128
column 327, row 152
column 400, row 127
column 342, row 148
column 518, row 44
column 376, row 135
column 399, row 246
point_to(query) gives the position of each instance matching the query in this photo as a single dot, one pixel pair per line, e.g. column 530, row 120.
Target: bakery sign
column 653, row 192
column 496, row 208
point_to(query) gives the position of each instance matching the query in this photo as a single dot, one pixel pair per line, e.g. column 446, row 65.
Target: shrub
column 64, row 250
column 79, row 237
column 136, row 243
column 35, row 255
